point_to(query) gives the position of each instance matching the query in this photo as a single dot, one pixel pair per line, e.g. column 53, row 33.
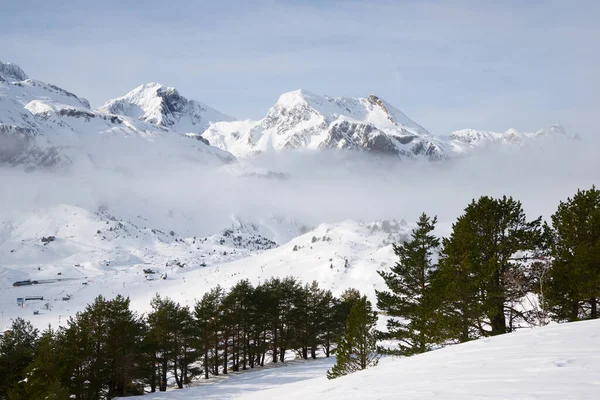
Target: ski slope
column 550, row 363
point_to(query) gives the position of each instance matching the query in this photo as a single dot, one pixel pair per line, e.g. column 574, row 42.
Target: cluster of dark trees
column 107, row 350
column 476, row 282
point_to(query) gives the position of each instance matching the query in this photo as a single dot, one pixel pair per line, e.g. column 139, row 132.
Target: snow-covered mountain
column 304, row 120
column 43, row 125
column 166, row 108
column 467, row 140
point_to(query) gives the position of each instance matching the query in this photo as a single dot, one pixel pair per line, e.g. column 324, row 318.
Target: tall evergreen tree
column 574, row 286
column 100, row 346
column 406, row 299
column 486, row 254
column 17, row 347
column 329, row 331
column 43, row 374
column 171, row 331
column 357, row 350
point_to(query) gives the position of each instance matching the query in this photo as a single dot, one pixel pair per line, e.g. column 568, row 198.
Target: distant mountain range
column 42, row 125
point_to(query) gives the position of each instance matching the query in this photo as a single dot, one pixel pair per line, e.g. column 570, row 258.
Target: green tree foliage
column 407, row 298
column 43, row 374
column 17, row 347
column 574, row 285
column 357, row 350
column 482, row 268
column 100, row 347
column 171, row 330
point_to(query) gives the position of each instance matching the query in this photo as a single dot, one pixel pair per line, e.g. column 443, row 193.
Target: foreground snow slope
column 555, row 362
column 251, row 381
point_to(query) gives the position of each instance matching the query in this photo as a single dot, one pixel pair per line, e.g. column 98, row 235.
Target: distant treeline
column 108, row 350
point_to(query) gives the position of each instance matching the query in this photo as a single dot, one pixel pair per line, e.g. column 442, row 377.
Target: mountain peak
column 12, row 72
column 299, row 96
column 164, row 107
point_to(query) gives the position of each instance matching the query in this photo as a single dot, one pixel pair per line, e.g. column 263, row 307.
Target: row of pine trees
column 479, row 281
column 107, row 350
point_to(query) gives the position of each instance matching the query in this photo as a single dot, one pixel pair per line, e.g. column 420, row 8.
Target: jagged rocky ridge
column 303, row 120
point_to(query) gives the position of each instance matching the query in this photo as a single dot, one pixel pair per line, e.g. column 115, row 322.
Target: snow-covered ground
column 94, row 253
column 557, row 362
column 242, row 383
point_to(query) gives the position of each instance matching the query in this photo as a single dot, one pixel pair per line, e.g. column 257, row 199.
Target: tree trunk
column 206, row 363
column 153, row 376
column 574, row 312
column 225, row 355
column 594, row 308
column 163, row 378
column 282, row 354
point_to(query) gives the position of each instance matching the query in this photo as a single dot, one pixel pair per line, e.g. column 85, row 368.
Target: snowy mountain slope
column 164, row 107
column 42, row 125
column 111, row 255
column 303, row 120
column 551, row 363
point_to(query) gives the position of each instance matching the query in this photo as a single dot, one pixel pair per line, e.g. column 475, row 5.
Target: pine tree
column 43, row 374
column 171, row 331
column 357, row 350
column 482, row 264
column 17, row 347
column 100, row 348
column 406, row 300
column 329, row 328
column 574, row 286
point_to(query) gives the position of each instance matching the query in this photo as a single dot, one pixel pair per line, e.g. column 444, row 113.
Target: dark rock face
column 172, row 103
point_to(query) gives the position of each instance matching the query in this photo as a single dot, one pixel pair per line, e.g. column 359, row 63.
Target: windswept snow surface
column 556, row 362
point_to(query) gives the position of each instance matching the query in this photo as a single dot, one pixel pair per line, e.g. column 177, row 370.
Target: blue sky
column 447, row 64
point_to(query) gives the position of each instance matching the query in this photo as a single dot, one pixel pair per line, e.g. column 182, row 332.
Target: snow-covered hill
column 80, row 254
column 304, row 120
column 166, row 108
